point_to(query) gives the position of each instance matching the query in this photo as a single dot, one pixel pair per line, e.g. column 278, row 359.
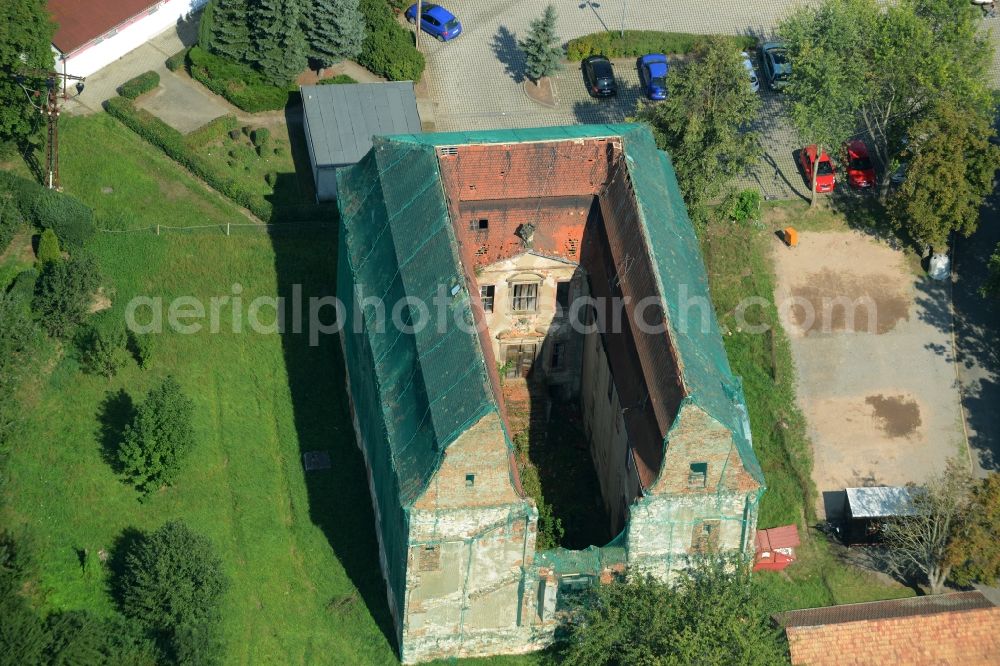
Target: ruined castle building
column 473, row 265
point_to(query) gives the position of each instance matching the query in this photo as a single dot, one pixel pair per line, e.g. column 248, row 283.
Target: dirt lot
column 872, row 346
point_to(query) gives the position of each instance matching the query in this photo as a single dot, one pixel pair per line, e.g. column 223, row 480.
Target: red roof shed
column 776, row 548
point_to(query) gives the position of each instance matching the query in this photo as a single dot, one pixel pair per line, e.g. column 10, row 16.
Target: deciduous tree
column 26, row 31
column 334, row 29
column 925, row 541
column 992, row 285
column 950, row 168
column 542, row 53
column 704, row 122
column 716, row 613
column 975, row 554
column 64, row 293
column 160, row 434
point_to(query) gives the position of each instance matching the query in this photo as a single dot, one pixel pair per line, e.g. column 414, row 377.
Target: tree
column 229, row 29
column 703, row 123
column 279, row 47
column 64, row 293
column 881, row 67
column 716, row 613
column 823, row 90
column 48, row 247
column 173, row 584
column 334, row 29
column 541, row 47
column 925, row 540
column 992, row 285
column 103, row 348
column 18, row 338
column 949, row 173
column 26, row 31
column 975, row 554
column 160, row 434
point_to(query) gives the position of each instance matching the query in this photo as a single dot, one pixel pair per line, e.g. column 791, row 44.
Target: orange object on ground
column 776, row 548
column 791, row 237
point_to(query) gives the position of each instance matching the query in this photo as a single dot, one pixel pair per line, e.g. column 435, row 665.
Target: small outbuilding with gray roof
column 340, row 121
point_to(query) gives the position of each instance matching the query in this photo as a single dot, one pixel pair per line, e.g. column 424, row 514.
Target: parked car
column 825, row 178
column 436, row 21
column 754, row 83
column 775, row 65
column 653, row 68
column 599, row 76
column 860, row 171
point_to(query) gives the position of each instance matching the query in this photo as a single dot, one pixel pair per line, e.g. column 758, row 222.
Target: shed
column 866, row 508
column 340, row 121
column 93, row 34
column 776, row 548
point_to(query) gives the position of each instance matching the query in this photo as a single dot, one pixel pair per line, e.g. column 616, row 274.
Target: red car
column 825, row 178
column 860, row 172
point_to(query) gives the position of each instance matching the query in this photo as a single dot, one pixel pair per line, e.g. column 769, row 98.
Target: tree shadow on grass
column 339, row 502
column 115, row 412
column 123, row 544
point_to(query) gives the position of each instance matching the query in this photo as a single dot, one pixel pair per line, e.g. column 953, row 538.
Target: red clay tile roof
column 80, row 21
column 777, row 537
column 962, row 628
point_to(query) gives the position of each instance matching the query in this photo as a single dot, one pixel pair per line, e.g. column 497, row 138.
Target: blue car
column 436, row 21
column 653, row 74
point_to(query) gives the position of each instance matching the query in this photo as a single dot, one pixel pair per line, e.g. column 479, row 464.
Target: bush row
column 140, row 85
column 173, row 143
column 27, row 202
column 213, row 130
column 388, row 48
column 640, row 42
column 177, row 60
column 242, row 85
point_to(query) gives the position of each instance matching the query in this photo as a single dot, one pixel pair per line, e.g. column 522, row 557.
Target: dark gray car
column 599, row 77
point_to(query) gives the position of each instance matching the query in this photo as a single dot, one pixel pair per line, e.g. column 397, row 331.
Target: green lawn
column 299, row 547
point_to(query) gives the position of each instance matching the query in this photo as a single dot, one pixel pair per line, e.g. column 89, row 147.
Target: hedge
column 213, row 130
column 640, row 42
column 242, row 85
column 173, row 143
column 177, row 60
column 139, row 85
column 388, row 48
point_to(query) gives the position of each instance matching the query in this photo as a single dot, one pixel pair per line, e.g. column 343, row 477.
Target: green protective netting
column 414, row 393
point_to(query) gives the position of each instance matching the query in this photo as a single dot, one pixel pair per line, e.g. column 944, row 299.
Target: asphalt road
column 977, row 331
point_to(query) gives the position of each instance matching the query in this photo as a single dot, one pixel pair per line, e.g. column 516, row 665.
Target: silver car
column 754, row 83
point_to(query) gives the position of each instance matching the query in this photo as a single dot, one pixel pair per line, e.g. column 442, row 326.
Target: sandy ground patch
column 872, row 348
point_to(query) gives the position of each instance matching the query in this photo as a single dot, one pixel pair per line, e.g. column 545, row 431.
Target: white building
column 92, row 34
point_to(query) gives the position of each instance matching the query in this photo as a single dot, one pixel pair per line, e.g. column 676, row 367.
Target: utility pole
column 54, row 95
column 416, row 24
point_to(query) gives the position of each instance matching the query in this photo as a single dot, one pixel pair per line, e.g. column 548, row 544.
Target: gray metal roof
column 879, row 501
column 342, row 119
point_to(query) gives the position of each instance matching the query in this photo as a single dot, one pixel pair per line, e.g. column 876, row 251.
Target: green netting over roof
column 414, row 393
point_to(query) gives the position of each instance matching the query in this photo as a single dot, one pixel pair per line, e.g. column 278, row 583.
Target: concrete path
column 978, row 339
column 182, row 103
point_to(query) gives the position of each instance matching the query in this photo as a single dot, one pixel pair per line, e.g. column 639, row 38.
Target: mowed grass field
column 298, row 546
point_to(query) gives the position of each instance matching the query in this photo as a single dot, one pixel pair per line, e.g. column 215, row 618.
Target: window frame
column 532, row 298
column 489, row 299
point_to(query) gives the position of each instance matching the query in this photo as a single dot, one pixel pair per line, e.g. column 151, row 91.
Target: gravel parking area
column 876, row 379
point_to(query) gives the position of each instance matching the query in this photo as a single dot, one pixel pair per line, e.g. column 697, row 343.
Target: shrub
column 260, row 136
column 336, row 80
column 639, row 42
column 172, row 142
column 388, row 48
column 238, row 83
column 102, row 348
column 48, row 248
column 157, row 439
column 139, row 85
column 70, row 218
column 17, row 204
column 271, row 178
column 177, row 60
column 214, row 130
column 173, row 584
column 64, row 293
column 140, row 347
column 744, row 207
